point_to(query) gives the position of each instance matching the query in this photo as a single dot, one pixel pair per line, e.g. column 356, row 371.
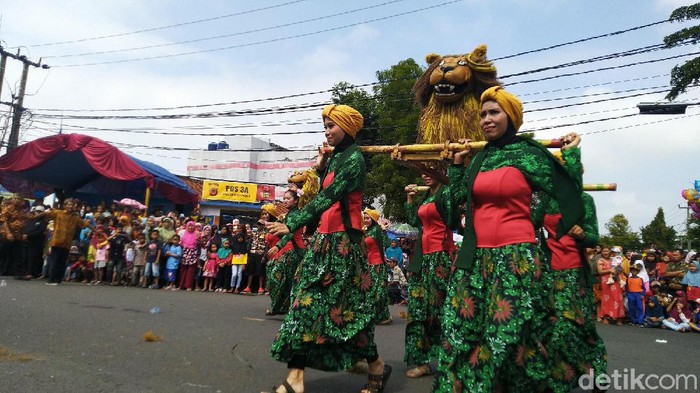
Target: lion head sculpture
column 448, row 93
column 306, row 185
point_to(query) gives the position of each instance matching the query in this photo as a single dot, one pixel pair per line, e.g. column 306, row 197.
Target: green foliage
column 657, row 232
column 689, row 73
column 694, row 233
column 620, row 234
column 391, row 116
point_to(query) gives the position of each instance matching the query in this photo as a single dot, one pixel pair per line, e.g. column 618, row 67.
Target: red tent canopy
column 73, row 161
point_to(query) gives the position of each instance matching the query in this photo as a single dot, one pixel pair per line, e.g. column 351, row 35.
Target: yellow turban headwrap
column 510, row 104
column 270, row 209
column 349, row 119
column 373, row 214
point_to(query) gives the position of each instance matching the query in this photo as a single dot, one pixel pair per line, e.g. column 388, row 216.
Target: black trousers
column 57, row 264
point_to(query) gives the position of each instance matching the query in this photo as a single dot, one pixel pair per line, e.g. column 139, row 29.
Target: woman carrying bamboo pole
column 429, row 268
column 494, row 310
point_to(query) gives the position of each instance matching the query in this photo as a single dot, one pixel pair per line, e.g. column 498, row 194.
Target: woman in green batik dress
column 330, row 325
column 429, row 270
column 284, row 257
column 376, row 242
column 494, row 311
column 571, row 338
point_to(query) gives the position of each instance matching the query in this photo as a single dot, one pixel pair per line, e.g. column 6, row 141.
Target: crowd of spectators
column 652, row 289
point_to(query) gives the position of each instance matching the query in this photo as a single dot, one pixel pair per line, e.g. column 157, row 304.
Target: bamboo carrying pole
column 437, row 147
column 586, row 187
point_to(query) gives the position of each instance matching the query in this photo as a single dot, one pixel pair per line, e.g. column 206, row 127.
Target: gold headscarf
column 270, row 209
column 349, row 119
column 373, row 214
column 510, row 104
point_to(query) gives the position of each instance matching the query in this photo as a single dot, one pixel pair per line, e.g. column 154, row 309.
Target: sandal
column 419, row 371
column 261, row 291
column 287, row 387
column 270, row 312
column 246, row 290
column 387, row 321
column 377, row 382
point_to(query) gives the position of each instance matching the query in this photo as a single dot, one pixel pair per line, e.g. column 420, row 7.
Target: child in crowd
column 101, row 254
column 223, row 266
column 153, row 251
column 691, row 281
column 210, row 267
column 635, row 297
column 654, row 312
column 679, row 314
column 129, row 256
column 173, row 252
column 239, row 248
column 73, row 270
column 139, row 260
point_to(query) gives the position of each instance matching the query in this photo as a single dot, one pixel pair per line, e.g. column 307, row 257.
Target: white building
column 245, row 159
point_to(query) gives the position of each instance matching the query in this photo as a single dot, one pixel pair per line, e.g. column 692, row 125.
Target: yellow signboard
column 229, row 191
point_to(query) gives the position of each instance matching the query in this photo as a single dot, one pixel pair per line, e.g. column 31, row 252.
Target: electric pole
column 687, row 226
column 18, row 107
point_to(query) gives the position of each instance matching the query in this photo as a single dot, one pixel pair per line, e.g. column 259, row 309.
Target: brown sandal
column 419, row 371
column 287, row 387
column 377, row 382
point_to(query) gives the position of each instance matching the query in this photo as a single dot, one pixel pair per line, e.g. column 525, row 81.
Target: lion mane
column 448, row 93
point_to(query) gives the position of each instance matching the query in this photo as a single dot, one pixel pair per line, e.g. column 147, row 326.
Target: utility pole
column 18, row 107
column 687, row 226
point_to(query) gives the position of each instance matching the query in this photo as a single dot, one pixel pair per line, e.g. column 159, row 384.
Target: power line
column 279, row 39
column 228, row 35
column 164, row 27
column 582, row 40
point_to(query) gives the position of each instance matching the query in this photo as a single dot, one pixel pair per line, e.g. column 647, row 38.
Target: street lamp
column 665, row 108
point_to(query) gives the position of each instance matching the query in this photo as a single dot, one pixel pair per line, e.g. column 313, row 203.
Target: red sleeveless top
column 436, row 236
column 332, row 220
column 565, row 254
column 501, row 208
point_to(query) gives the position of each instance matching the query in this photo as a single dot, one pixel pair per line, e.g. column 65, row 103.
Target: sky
column 166, row 54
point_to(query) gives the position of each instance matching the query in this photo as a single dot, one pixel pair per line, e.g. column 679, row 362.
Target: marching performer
column 376, row 242
column 429, row 268
column 494, row 309
column 330, row 325
column 572, row 341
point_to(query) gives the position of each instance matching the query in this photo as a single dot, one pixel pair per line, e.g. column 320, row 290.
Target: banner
column 229, row 191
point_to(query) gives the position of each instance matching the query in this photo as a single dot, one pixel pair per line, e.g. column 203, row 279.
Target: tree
column 694, row 232
column 688, row 73
column 620, row 234
column 657, row 232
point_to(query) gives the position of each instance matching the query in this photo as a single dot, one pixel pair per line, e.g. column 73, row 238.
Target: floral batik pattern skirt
column 573, row 344
column 381, row 300
column 280, row 280
column 331, row 319
column 494, row 316
column 426, row 297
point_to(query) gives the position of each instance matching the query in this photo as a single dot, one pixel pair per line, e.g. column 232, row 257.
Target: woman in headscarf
column 284, row 261
column 691, row 281
column 376, row 241
column 571, row 338
column 429, row 266
column 679, row 314
column 330, row 325
column 189, row 240
column 494, row 311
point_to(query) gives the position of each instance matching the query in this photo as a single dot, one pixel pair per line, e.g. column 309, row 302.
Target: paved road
column 90, row 339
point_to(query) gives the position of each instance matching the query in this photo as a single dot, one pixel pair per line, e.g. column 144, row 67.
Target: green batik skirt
column 280, row 279
column 493, row 318
column 426, row 297
column 331, row 319
column 380, row 276
column 572, row 341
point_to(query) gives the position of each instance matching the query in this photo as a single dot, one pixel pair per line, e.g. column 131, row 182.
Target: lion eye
column 462, row 63
column 442, row 63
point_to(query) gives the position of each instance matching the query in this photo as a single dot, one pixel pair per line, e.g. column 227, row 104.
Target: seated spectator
column 398, row 286
column 691, row 281
column 679, row 314
column 654, row 313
